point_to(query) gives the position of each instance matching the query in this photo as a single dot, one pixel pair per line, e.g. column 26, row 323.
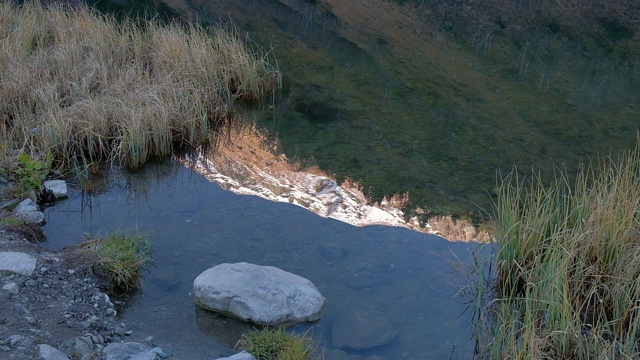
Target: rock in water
column 57, row 187
column 263, row 295
column 358, row 329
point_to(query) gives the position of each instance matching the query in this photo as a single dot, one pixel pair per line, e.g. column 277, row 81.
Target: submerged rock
column 263, row 295
column 358, row 329
column 335, row 354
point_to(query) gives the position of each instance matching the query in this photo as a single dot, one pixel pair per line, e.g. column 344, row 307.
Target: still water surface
column 194, row 224
column 375, row 93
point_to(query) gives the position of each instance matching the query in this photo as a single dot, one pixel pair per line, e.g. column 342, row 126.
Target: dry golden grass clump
column 566, row 279
column 83, row 87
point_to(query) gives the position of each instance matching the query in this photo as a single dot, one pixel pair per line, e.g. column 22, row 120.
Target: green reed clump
column 120, row 259
column 564, row 278
column 276, row 344
column 85, row 88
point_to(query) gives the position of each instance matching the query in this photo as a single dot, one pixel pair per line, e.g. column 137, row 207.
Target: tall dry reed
column 83, row 87
column 564, row 275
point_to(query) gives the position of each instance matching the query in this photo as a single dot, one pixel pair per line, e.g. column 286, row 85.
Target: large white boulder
column 263, row 295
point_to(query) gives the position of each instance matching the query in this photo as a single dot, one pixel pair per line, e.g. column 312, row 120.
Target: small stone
column 30, row 282
column 83, row 345
column 20, row 308
column 28, row 341
column 90, row 321
column 111, row 312
column 17, row 262
column 28, row 211
column 15, row 339
column 160, row 353
column 97, row 338
column 57, row 187
column 48, row 352
column 11, row 287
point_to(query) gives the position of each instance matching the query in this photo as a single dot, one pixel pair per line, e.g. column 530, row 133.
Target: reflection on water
column 375, row 93
column 194, row 225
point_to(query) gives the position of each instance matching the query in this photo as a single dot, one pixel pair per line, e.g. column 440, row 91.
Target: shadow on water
column 405, row 276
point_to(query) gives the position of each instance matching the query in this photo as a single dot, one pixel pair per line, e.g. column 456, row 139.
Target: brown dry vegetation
column 80, row 87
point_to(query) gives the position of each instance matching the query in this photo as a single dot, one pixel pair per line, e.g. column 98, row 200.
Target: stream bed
column 407, row 278
column 371, row 93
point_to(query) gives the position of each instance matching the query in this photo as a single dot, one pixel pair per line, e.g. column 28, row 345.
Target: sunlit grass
column 121, row 258
column 566, row 283
column 84, row 88
column 276, row 344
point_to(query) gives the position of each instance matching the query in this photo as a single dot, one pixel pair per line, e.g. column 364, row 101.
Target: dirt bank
column 60, row 304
